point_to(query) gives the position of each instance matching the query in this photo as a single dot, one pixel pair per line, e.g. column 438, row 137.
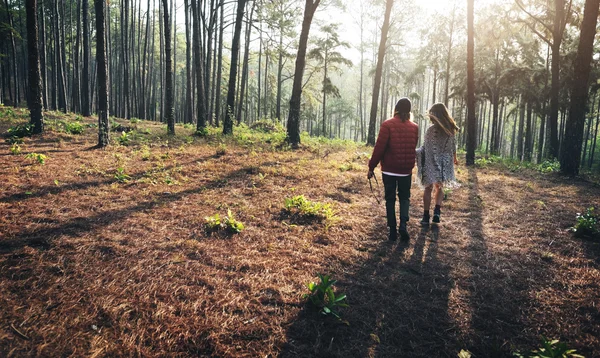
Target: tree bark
column 235, row 44
column 33, row 60
column 293, row 125
column 378, row 70
column 201, row 102
column 471, row 119
column 103, row 129
column 168, row 110
column 571, row 149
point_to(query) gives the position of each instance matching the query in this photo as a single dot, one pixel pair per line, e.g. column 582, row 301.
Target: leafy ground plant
column 587, row 225
column 305, row 207
column 323, row 297
column 39, row 158
column 121, row 176
column 551, row 349
column 229, row 223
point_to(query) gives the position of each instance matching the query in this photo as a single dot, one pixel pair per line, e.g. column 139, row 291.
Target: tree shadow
column 43, row 237
column 398, row 304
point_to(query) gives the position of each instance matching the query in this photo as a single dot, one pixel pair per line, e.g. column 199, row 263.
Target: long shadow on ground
column 442, row 292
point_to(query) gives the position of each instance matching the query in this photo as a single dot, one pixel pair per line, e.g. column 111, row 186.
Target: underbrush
column 547, row 166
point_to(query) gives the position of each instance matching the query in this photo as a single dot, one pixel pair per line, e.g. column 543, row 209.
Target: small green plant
column 39, row 158
column 305, row 207
column 549, row 166
column 323, row 297
column 15, row 149
column 20, row 131
column 201, row 132
column 214, row 223
column 447, row 193
column 134, row 120
column 78, row 118
column 550, row 349
column 123, row 139
column 221, row 150
column 348, row 167
column 587, row 225
column 74, row 128
column 232, row 224
column 121, row 176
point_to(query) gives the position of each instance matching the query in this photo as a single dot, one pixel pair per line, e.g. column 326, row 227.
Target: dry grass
column 90, row 266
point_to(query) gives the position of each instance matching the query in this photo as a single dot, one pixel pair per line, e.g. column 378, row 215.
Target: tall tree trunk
column 235, row 44
column 378, row 70
column 557, row 35
column 201, row 102
column 168, row 111
column 449, row 58
column 571, row 150
column 62, row 90
column 15, row 74
column 76, row 88
column 43, row 63
column 528, row 134
column 103, row 129
column 471, row 119
column 34, row 101
column 293, row 125
column 188, row 115
column 245, row 65
column 219, row 68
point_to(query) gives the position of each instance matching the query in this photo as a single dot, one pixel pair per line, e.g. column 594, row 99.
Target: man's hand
column 370, row 174
column 455, row 161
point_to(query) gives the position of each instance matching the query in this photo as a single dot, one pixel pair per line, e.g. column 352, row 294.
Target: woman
column 436, row 159
column 395, row 149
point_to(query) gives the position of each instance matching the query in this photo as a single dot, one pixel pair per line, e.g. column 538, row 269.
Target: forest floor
column 104, row 252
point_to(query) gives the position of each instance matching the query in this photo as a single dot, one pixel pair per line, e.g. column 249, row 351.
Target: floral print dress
column 435, row 159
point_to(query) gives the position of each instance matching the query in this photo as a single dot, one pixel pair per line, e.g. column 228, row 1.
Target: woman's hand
column 455, row 159
column 370, row 174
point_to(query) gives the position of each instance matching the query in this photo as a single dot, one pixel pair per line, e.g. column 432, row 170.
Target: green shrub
column 121, row 176
column 308, row 208
column 202, row 132
column 214, row 223
column 550, row 349
column 323, row 297
column 587, row 225
column 549, row 166
column 15, row 149
column 20, row 131
column 74, row 128
column 123, row 139
column 40, row 158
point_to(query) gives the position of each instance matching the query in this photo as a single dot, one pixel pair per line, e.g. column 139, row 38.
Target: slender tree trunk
column 33, row 60
column 201, row 102
column 188, row 116
column 103, row 129
column 43, row 63
column 245, row 65
column 168, row 110
column 235, row 44
column 471, row 119
column 557, row 34
column 220, row 69
column 378, row 70
column 586, row 138
column 571, row 149
column 76, row 88
column 15, row 74
column 293, row 125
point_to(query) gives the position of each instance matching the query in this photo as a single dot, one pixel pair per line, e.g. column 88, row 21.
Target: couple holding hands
column 396, row 150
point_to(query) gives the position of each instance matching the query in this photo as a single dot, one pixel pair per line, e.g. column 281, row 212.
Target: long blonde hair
column 438, row 113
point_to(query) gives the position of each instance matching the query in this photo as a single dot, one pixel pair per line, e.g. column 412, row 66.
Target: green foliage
column 20, row 131
column 134, row 120
column 221, row 150
column 15, row 149
column 73, row 127
column 323, row 297
column 587, row 225
column 550, row 349
column 305, row 207
column 267, row 126
column 349, row 166
column 232, row 224
column 39, row 158
column 202, row 132
column 124, row 138
column 549, row 166
column 121, row 176
column 214, row 223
